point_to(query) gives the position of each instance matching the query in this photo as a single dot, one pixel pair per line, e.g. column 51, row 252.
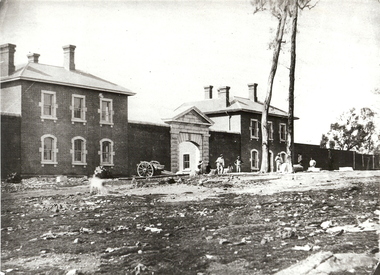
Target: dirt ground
column 315, row 223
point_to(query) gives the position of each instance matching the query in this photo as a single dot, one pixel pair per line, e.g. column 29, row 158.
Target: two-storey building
column 225, row 125
column 60, row 120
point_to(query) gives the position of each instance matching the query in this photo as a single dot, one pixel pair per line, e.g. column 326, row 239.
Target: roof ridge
column 24, row 68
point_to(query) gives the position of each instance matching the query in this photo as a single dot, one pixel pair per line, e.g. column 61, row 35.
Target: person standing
column 220, row 164
column 278, row 161
column 312, row 163
column 238, row 163
column 199, row 168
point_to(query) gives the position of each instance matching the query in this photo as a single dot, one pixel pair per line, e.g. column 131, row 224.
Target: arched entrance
column 189, row 156
column 189, row 139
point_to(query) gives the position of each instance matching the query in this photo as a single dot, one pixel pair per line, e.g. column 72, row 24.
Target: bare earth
column 308, row 223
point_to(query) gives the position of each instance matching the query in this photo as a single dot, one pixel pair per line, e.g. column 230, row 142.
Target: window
column 282, row 132
column 270, row 130
column 254, row 159
column 48, row 105
column 106, row 152
column 186, row 161
column 106, row 111
column 284, row 156
column 78, row 109
column 48, row 150
column 78, row 151
column 254, row 129
column 271, row 160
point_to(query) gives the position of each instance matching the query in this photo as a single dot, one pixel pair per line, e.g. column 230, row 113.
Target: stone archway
column 199, row 137
column 191, row 126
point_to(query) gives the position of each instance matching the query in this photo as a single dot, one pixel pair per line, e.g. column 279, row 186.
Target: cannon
column 149, row 168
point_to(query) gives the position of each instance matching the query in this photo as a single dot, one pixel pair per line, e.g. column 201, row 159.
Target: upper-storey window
column 106, row 111
column 48, row 105
column 270, row 130
column 49, row 150
column 254, row 128
column 282, row 132
column 78, row 108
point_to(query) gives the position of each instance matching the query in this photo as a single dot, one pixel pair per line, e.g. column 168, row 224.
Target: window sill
column 48, row 118
column 79, row 164
column 256, row 138
column 43, row 163
column 107, row 164
column 106, row 123
column 73, row 120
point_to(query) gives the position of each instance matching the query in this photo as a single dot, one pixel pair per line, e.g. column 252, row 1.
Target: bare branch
column 302, row 4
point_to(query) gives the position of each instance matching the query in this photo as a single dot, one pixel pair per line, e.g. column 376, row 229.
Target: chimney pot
column 252, row 92
column 7, row 59
column 224, row 93
column 68, row 57
column 33, row 57
column 208, row 92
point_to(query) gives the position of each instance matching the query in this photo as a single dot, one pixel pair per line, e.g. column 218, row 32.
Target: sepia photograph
column 190, row 137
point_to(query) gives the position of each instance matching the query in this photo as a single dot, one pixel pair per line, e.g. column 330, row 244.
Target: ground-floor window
column 254, row 159
column 49, row 150
column 284, row 156
column 186, row 161
column 271, row 161
column 78, row 151
column 106, row 152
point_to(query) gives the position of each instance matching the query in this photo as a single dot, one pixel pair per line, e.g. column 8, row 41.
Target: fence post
column 353, row 152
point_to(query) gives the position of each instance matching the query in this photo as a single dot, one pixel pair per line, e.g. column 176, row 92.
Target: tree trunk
column 290, row 134
column 264, row 116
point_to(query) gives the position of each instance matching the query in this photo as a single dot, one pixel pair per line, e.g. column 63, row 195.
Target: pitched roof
column 61, row 76
column 183, row 114
column 216, row 106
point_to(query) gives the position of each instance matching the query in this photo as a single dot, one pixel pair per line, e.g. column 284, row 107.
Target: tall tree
column 294, row 6
column 290, row 132
column 279, row 9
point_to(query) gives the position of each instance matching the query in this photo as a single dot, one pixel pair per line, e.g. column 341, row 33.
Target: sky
column 168, row 51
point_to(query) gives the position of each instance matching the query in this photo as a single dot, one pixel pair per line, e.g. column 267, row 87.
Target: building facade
column 235, row 124
column 59, row 120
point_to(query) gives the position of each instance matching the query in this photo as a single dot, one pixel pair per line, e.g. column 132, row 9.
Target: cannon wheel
column 145, row 169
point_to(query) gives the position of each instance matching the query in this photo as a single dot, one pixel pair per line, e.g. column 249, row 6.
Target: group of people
column 279, row 162
column 220, row 164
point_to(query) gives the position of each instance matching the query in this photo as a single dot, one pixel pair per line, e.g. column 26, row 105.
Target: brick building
column 59, row 120
column 225, row 125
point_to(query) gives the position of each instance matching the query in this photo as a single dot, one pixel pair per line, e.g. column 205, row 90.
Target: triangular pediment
column 190, row 115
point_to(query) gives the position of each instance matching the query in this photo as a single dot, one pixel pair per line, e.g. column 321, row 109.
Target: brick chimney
column 68, row 57
column 208, row 92
column 252, row 92
column 33, row 57
column 7, row 59
column 224, row 93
